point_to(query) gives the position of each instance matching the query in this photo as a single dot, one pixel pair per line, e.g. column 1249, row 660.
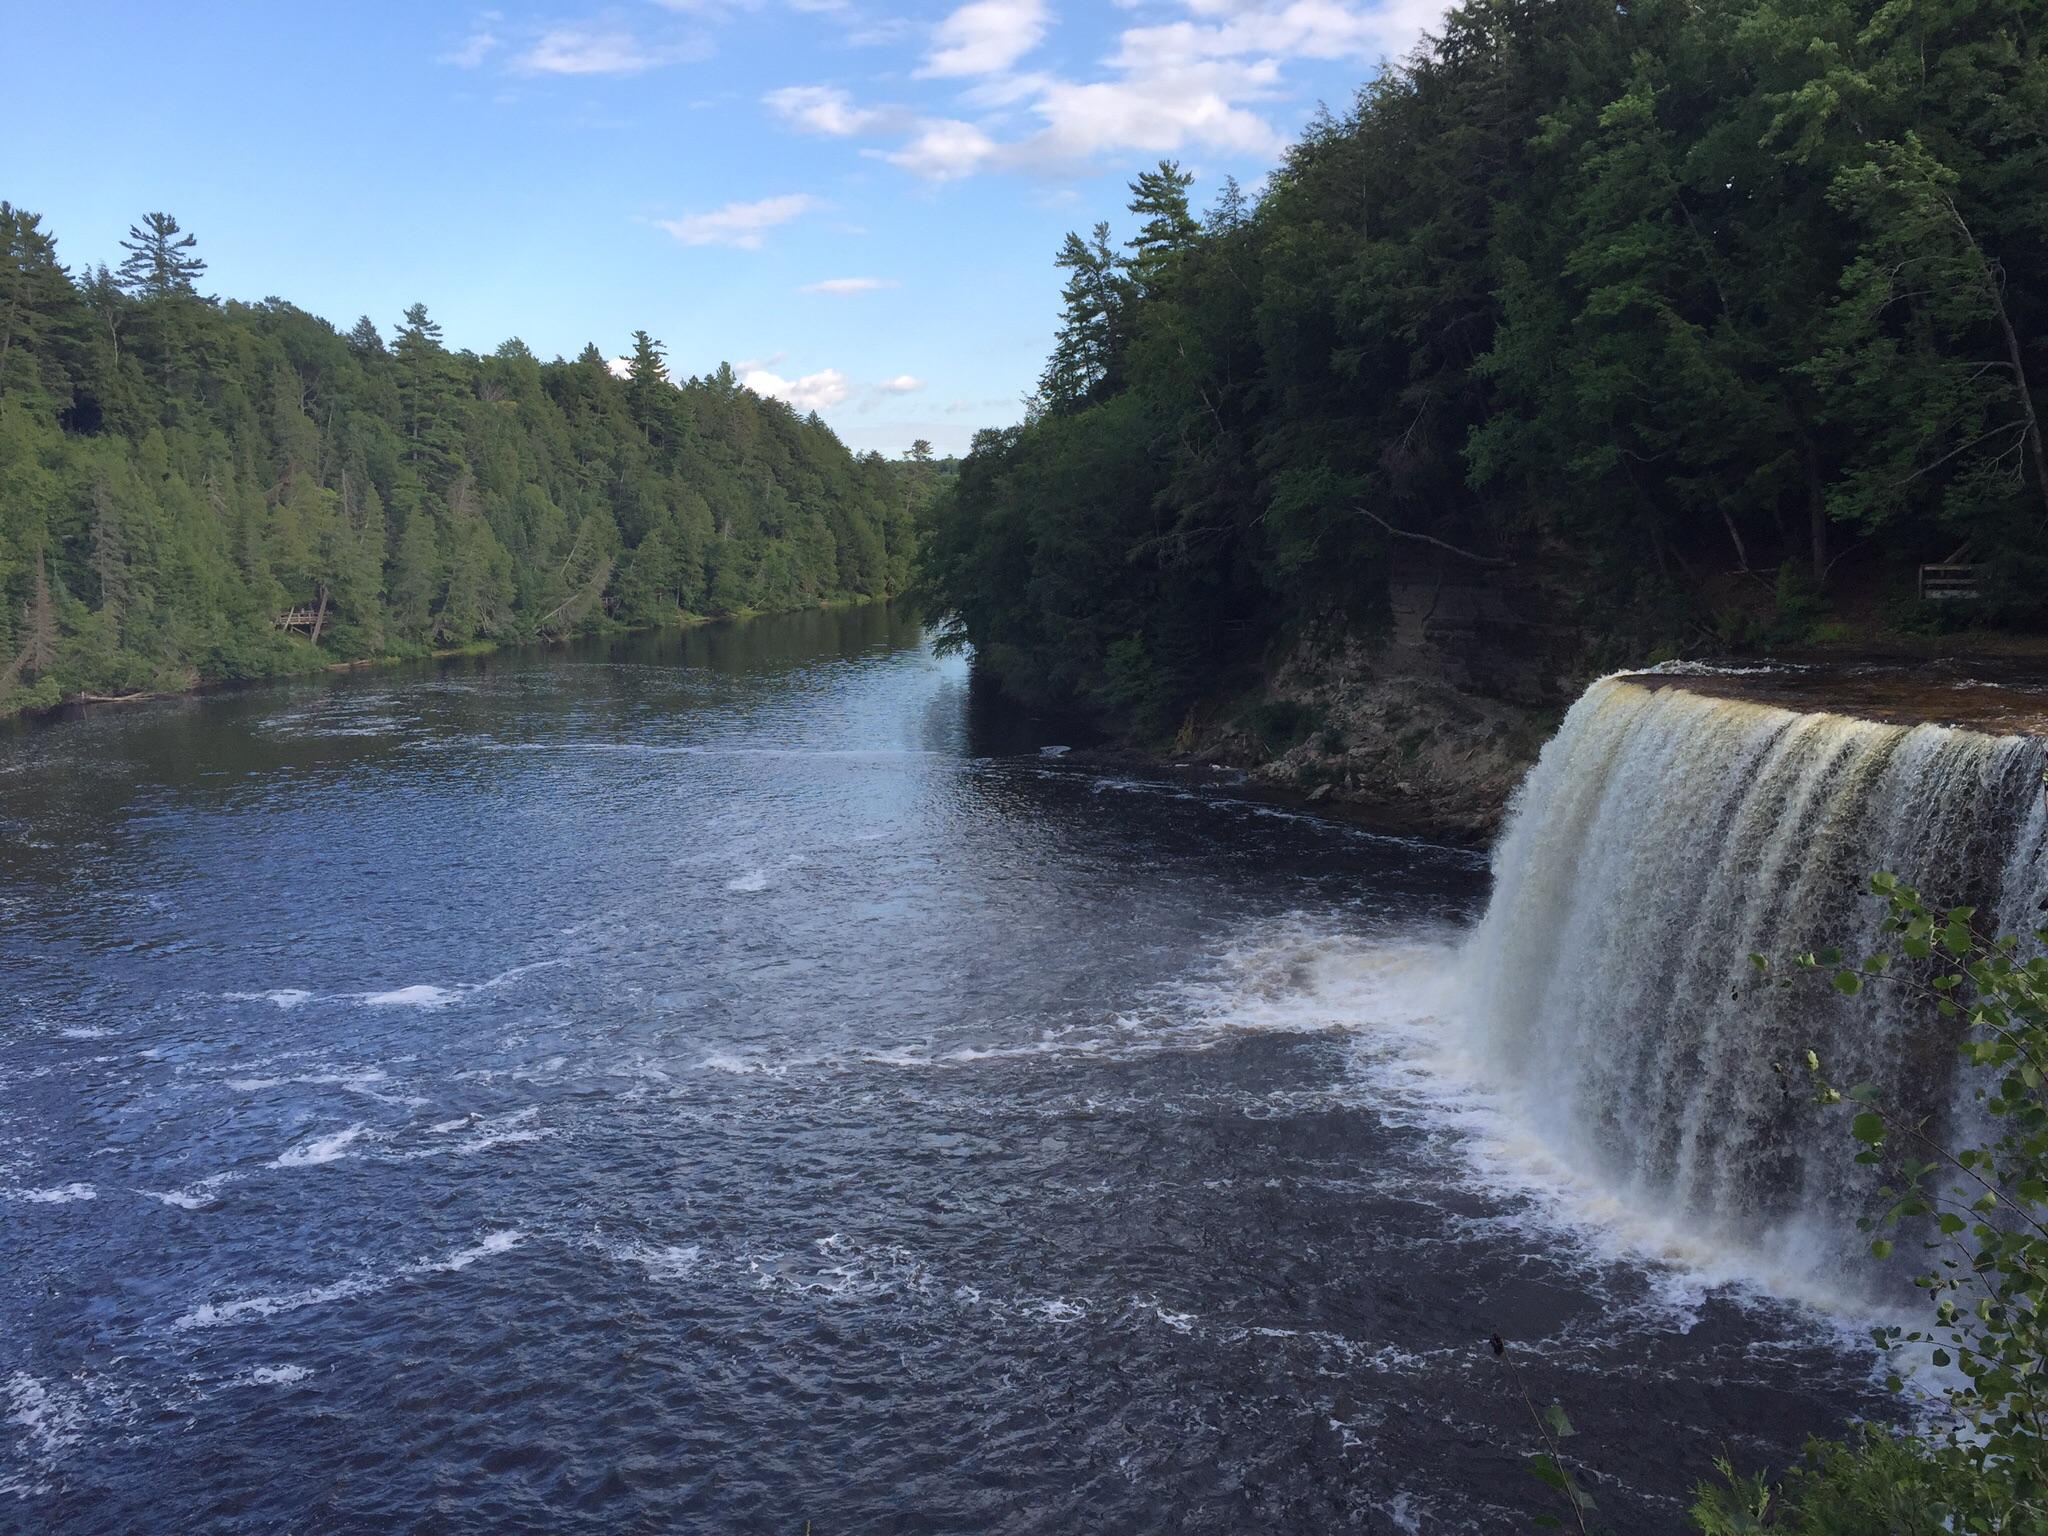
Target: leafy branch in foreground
column 1548, row 1467
column 1980, row 1212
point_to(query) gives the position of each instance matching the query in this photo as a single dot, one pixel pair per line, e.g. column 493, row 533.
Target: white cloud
column 945, row 149
column 741, row 225
column 902, row 384
column 577, row 50
column 1294, row 29
column 818, row 391
column 1203, row 81
column 985, row 37
column 822, row 109
column 481, row 43
column 1160, row 112
column 847, row 287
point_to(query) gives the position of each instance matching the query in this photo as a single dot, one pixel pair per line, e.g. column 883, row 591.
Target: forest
column 1716, row 319
column 194, row 490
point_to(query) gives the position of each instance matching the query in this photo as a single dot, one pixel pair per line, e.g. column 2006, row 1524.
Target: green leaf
column 1881, row 1249
column 1848, row 983
column 1868, row 1127
column 1560, row 1424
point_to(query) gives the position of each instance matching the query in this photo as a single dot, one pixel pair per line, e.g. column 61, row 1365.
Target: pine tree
column 1160, row 200
column 1085, row 357
column 159, row 264
column 364, row 339
column 426, row 392
column 1232, row 209
column 649, row 395
column 38, row 307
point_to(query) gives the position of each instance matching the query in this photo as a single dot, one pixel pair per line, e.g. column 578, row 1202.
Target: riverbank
column 75, row 704
column 1428, row 727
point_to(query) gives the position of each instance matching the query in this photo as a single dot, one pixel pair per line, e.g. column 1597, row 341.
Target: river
column 736, row 1080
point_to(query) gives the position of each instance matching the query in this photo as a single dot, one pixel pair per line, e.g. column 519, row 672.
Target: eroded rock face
column 1429, row 721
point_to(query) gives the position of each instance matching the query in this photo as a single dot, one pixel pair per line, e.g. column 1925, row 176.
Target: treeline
column 194, row 490
column 1698, row 309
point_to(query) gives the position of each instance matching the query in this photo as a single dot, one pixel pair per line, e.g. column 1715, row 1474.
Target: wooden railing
column 1946, row 583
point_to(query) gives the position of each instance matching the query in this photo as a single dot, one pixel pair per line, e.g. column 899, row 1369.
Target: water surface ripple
column 722, row 1081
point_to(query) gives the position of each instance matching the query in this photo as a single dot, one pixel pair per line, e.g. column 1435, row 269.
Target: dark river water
column 728, row 1081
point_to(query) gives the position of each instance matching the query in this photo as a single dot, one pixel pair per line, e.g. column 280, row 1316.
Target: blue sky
column 855, row 201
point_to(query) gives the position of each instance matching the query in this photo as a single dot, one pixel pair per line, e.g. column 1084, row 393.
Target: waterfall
column 1662, row 838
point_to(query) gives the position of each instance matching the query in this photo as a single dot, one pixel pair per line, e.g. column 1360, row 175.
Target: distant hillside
column 193, row 489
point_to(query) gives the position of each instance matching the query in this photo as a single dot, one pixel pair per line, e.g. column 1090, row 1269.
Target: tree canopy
column 193, row 489
column 1665, row 302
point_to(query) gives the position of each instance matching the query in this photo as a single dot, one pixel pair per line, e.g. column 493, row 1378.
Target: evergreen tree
column 1087, row 350
column 426, row 392
column 1231, row 211
column 159, row 264
column 364, row 339
column 38, row 308
column 1159, row 200
column 648, row 392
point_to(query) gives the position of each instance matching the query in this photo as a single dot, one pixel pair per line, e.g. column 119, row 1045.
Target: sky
column 854, row 202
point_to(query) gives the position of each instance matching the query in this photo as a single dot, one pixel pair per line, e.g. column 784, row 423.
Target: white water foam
column 198, row 1196
column 1396, row 1004
column 491, row 1243
column 323, row 1149
column 748, row 884
column 424, row 995
column 420, row 996
column 276, row 1376
column 217, row 1314
column 665, row 1261
column 61, row 1194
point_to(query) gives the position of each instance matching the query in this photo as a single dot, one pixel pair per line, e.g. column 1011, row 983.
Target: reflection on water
column 728, row 1079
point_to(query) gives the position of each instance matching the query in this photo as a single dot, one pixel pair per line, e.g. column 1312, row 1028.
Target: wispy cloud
column 741, row 225
column 985, row 37
column 600, row 50
column 902, row 384
column 481, row 43
column 824, row 109
column 847, row 287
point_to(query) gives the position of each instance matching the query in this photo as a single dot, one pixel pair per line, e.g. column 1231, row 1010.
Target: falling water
column 1663, row 837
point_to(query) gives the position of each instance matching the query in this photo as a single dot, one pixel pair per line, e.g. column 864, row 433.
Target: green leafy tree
column 1978, row 1212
